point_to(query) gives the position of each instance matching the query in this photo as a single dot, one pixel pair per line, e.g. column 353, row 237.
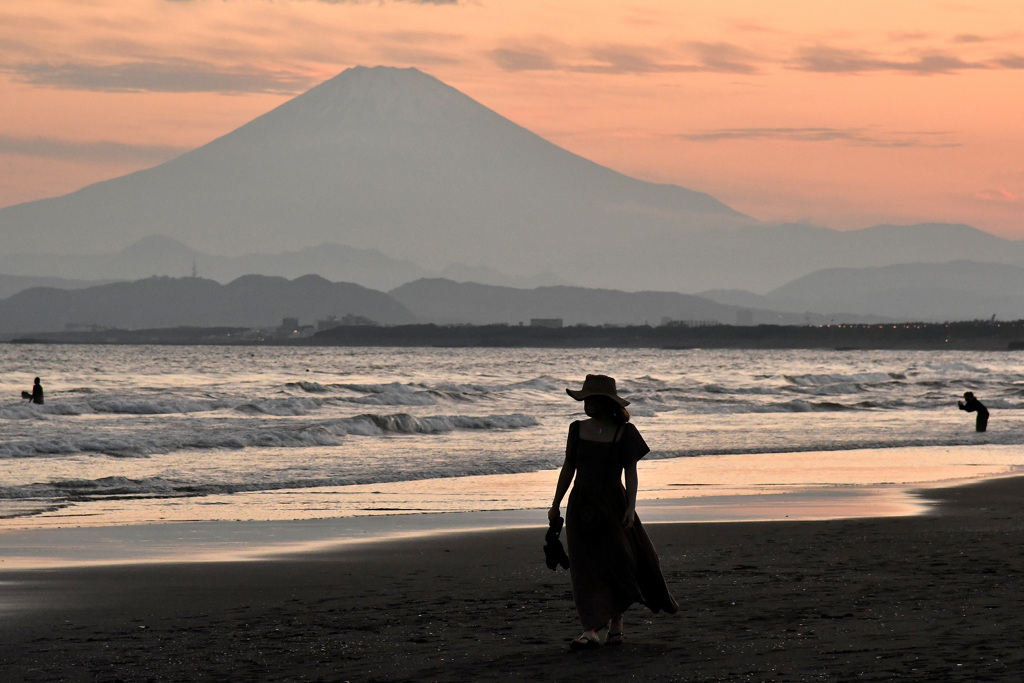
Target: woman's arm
column 632, row 484
column 564, row 479
column 566, row 474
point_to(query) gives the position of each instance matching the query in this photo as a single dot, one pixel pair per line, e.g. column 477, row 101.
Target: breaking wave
column 237, row 436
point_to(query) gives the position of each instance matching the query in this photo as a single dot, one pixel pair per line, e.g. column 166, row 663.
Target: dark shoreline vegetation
column 964, row 336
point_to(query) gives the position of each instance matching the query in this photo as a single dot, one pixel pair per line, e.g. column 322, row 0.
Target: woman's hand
column 627, row 519
column 554, row 512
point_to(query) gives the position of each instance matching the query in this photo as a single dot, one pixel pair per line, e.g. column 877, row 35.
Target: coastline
column 976, row 335
column 262, row 525
column 258, row 525
column 267, row 540
column 928, row 597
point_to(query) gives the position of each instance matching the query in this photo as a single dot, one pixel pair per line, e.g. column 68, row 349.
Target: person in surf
column 973, row 405
column 37, row 393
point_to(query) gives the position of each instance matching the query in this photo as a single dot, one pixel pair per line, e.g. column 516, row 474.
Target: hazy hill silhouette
column 445, row 301
column 160, row 255
column 250, row 301
column 261, row 301
column 764, row 258
column 12, row 284
column 959, row 290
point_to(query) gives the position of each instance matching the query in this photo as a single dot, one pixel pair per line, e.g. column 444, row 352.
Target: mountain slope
column 444, row 301
column 250, row 301
column 375, row 158
column 12, row 284
column 159, row 255
column 958, row 290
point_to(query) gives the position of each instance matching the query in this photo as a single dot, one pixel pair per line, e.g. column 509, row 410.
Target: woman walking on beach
column 611, row 560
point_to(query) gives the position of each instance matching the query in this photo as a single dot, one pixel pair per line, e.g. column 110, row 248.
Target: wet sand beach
column 932, row 597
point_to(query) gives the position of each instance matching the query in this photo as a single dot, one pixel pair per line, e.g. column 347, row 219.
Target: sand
column 930, row 598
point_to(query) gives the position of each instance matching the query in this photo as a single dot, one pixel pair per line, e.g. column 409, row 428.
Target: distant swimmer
column 971, row 405
column 37, row 393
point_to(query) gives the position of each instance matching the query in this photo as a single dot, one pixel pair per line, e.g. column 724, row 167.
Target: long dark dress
column 611, row 567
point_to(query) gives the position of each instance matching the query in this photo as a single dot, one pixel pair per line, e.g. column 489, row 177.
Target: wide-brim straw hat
column 598, row 385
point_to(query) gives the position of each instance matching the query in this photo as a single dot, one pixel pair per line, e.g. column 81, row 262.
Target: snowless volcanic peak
column 364, row 101
column 389, row 159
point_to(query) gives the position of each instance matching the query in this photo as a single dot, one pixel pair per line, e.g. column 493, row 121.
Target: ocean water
column 134, row 434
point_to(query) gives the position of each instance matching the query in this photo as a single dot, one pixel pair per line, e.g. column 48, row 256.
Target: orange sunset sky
column 843, row 114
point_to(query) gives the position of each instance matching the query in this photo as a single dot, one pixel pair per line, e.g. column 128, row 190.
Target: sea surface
column 137, row 434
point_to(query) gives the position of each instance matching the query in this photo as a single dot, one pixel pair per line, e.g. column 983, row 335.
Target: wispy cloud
column 823, row 59
column 730, row 58
column 969, row 38
column 431, row 37
column 513, row 59
column 627, row 59
column 1000, row 195
column 853, row 136
column 397, row 54
column 909, row 36
column 1011, row 61
column 724, row 58
column 630, row 59
column 100, row 151
column 177, row 76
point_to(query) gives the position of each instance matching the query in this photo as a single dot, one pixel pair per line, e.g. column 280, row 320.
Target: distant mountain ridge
column 250, row 301
column 257, row 301
column 928, row 292
column 444, row 301
column 12, row 284
column 958, row 290
column 159, row 255
column 163, row 256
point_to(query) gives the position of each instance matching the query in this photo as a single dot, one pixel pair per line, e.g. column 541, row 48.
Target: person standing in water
column 612, row 562
column 37, row 393
column 972, row 405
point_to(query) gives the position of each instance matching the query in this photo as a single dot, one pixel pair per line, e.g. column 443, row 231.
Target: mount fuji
column 395, row 161
column 381, row 158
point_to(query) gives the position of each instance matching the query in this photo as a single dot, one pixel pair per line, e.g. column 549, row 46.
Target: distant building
column 289, row 325
column 554, row 323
